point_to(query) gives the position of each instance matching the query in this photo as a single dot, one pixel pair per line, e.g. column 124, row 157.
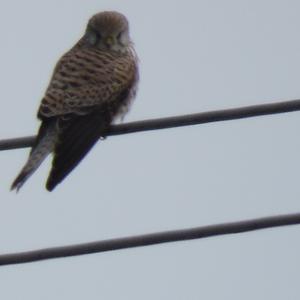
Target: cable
column 178, row 121
column 169, row 236
column 150, row 239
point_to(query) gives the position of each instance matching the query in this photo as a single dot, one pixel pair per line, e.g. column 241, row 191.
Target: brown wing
column 76, row 137
column 85, row 78
column 84, row 106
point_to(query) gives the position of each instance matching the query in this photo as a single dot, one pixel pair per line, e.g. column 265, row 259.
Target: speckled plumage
column 91, row 85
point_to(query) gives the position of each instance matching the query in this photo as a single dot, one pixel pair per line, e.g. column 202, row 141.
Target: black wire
column 178, row 121
column 150, row 239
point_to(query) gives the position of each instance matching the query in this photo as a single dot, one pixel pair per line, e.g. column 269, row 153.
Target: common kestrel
column 92, row 84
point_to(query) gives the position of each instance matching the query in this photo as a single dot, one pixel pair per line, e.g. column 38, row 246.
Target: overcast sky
column 194, row 56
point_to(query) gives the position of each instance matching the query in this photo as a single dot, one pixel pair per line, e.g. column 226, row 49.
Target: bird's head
column 108, row 30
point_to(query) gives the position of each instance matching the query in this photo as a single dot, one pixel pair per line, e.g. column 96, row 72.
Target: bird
column 92, row 85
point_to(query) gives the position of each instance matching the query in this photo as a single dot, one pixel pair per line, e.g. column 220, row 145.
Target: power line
column 178, row 121
column 150, row 239
column 169, row 236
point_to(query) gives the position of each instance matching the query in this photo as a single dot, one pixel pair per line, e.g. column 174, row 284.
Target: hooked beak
column 110, row 40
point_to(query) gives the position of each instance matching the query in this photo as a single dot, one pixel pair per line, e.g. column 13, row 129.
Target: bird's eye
column 99, row 36
column 119, row 36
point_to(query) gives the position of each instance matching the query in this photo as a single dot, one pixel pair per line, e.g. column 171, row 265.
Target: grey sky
column 194, row 56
